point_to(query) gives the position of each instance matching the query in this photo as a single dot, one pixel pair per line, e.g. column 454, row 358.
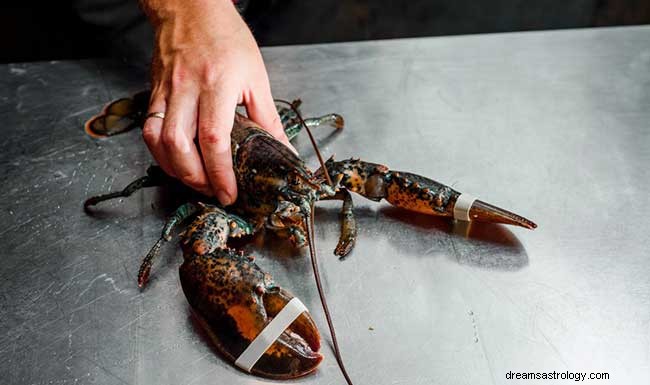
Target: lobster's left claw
column 236, row 300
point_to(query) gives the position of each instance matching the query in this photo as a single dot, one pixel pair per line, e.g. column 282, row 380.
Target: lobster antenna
column 314, row 264
column 311, row 138
column 309, row 224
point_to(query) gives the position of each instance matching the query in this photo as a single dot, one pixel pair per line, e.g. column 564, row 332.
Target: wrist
column 161, row 11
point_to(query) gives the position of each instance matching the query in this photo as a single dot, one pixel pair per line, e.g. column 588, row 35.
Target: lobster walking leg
column 291, row 121
column 348, row 223
column 155, row 177
column 182, row 213
column 348, row 227
column 414, row 192
column 333, row 120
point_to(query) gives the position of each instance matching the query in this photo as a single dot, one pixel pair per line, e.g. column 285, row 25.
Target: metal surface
column 553, row 125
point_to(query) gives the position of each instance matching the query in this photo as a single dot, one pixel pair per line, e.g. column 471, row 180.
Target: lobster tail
column 119, row 116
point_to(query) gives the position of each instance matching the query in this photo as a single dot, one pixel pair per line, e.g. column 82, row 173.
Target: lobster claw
column 235, row 300
column 295, row 352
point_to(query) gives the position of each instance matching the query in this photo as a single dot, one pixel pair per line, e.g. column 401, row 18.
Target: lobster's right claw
column 235, row 300
column 295, row 352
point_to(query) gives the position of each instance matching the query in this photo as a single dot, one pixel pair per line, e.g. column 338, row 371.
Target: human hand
column 205, row 63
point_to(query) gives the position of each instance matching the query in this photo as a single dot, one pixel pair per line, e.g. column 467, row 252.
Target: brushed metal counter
column 553, row 125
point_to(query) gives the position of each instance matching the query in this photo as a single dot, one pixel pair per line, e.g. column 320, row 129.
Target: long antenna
column 311, row 138
column 309, row 224
column 314, row 264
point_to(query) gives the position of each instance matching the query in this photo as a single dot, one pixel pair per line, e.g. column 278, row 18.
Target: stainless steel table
column 553, row 125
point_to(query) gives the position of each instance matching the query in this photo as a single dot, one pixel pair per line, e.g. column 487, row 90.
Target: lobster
column 232, row 296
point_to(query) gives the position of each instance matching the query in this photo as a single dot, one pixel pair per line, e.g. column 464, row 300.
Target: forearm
column 186, row 14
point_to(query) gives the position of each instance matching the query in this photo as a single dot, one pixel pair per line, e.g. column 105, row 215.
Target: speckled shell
column 234, row 299
column 263, row 166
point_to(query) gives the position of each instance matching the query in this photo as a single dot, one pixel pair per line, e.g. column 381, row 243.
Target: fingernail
column 224, row 197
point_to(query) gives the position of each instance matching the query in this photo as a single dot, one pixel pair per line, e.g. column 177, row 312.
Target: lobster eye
column 233, row 225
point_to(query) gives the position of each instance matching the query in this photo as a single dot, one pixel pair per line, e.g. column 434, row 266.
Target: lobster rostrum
column 235, row 299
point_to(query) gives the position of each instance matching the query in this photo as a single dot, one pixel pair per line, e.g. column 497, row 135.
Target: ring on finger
column 156, row 114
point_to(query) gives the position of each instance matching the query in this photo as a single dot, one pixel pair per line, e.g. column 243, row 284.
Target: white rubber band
column 270, row 333
column 463, row 205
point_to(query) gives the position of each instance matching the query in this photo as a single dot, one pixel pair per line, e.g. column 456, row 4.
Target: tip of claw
column 342, row 250
column 485, row 212
column 530, row 225
column 90, row 202
column 143, row 278
column 339, row 122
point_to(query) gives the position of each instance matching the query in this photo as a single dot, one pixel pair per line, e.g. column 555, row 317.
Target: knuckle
column 195, row 181
column 213, row 138
column 210, row 76
column 178, row 77
column 171, row 139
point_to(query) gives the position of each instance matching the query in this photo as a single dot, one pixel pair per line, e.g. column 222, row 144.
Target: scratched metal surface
column 553, row 125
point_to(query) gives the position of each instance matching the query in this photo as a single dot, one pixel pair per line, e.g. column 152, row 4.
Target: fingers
column 215, row 120
column 152, row 132
column 179, row 130
column 261, row 109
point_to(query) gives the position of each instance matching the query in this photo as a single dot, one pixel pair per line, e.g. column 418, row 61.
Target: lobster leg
column 414, row 192
column 348, row 223
column 333, row 120
column 291, row 122
column 155, row 177
column 182, row 213
column 208, row 232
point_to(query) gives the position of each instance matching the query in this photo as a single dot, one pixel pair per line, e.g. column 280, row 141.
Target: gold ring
column 156, row 114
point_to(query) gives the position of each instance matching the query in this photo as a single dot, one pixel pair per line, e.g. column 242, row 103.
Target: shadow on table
column 483, row 245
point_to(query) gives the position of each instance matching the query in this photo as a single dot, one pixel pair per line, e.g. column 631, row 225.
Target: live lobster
column 234, row 298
